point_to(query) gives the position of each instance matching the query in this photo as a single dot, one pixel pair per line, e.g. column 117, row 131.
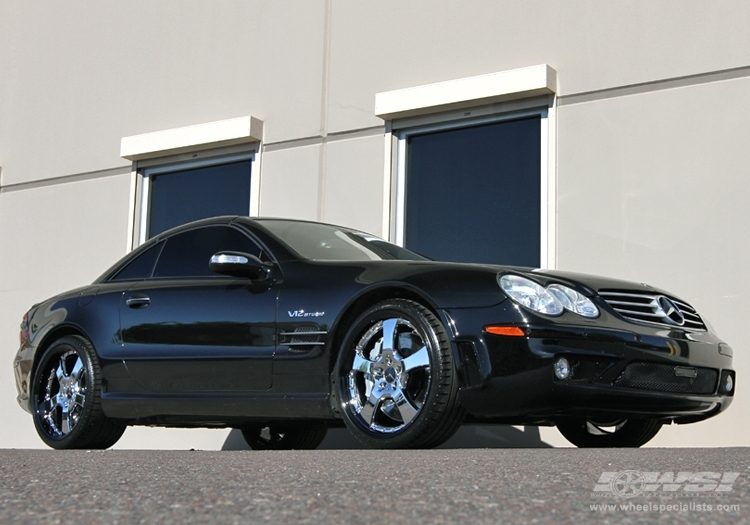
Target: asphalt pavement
column 377, row 487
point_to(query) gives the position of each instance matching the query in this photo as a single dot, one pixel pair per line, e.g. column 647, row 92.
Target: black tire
column 405, row 396
column 272, row 437
column 66, row 397
column 590, row 433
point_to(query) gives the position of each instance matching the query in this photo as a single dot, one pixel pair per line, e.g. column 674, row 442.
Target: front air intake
column 668, row 378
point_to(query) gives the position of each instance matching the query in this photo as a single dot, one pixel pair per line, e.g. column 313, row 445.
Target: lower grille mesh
column 662, row 378
column 585, row 370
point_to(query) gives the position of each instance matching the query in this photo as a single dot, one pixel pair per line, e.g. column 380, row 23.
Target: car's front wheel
column 396, row 379
column 280, row 437
column 590, row 433
column 66, row 393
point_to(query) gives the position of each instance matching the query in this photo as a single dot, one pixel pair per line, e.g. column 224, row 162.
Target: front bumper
column 620, row 370
column 22, row 364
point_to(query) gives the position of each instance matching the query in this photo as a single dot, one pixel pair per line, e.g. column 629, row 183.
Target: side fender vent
column 470, row 372
column 303, row 338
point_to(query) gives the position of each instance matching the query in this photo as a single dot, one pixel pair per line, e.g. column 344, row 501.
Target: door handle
column 138, row 301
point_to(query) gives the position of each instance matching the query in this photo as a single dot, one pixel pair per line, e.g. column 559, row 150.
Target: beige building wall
column 649, row 144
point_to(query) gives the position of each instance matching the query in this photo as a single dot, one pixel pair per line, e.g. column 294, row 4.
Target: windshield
column 323, row 242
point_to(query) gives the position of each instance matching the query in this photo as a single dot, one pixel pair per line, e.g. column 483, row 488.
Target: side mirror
column 238, row 264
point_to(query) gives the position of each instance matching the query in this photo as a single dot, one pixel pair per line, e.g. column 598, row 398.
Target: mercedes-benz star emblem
column 669, row 311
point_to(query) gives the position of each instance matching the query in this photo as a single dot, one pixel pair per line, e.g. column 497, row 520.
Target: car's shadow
column 469, row 436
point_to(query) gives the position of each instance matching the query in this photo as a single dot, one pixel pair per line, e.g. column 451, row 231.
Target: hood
column 586, row 283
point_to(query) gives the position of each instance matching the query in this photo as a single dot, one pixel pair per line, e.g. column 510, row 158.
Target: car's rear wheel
column 66, row 394
column 589, row 433
column 280, row 437
column 396, row 379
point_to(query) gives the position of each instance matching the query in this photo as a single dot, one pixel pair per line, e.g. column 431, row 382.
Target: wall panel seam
column 653, row 86
column 336, row 136
column 65, row 179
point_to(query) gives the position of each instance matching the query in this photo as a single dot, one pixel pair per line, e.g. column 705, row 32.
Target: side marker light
column 512, row 331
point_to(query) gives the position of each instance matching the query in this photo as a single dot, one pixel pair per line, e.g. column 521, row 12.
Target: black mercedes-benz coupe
column 286, row 328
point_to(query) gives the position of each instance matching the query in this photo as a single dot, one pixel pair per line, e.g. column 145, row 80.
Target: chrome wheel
column 605, row 428
column 390, row 375
column 64, row 395
column 600, row 432
column 395, row 378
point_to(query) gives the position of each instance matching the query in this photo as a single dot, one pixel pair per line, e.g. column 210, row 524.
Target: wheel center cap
column 391, row 375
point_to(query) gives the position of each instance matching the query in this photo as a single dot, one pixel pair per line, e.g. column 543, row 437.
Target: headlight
column 574, row 301
column 551, row 300
column 530, row 294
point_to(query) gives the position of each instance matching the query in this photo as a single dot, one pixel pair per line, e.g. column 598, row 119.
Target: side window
column 187, row 254
column 142, row 266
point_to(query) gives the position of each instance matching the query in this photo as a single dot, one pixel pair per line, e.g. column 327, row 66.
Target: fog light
column 562, row 368
column 729, row 384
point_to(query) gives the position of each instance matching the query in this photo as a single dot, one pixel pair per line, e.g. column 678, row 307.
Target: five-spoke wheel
column 396, row 377
column 66, row 396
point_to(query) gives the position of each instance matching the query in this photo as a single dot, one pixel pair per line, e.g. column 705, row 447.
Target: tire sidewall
column 412, row 433
column 41, row 375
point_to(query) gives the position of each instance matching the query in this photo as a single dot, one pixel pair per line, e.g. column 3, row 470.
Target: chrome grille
column 644, row 308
